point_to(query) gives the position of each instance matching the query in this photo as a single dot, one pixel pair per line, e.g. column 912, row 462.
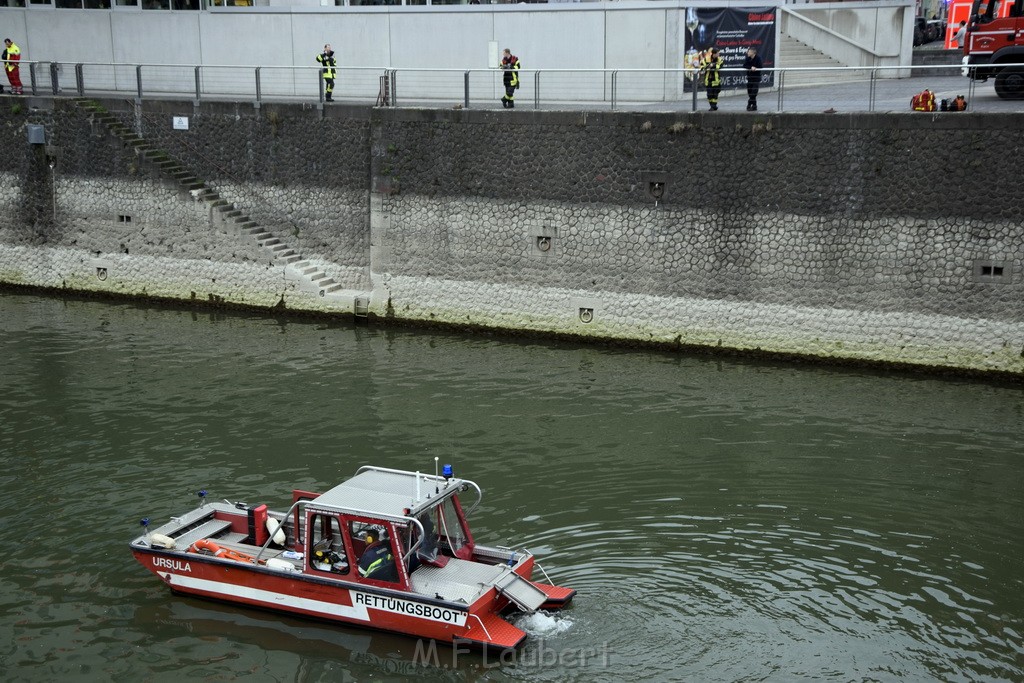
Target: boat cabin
column 381, row 525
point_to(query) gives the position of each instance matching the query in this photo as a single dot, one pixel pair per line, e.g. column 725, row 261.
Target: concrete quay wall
column 889, row 238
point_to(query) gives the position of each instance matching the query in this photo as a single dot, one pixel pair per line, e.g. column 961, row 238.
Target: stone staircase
column 311, row 277
column 793, row 53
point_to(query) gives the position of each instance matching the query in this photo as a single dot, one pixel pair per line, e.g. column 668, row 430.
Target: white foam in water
column 540, row 624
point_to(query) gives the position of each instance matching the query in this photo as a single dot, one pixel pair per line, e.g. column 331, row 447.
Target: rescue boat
column 386, row 549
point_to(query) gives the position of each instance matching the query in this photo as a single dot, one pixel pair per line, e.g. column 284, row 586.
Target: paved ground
column 891, row 95
column 885, row 95
column 935, row 69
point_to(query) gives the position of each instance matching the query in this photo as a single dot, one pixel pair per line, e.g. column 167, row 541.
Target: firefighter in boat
column 377, row 561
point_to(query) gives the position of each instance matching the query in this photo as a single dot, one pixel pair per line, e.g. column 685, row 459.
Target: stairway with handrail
column 311, row 277
column 796, row 54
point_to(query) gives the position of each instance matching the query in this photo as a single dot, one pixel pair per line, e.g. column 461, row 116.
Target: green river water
column 722, row 520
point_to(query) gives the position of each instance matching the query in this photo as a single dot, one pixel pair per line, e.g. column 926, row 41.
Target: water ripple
column 721, row 520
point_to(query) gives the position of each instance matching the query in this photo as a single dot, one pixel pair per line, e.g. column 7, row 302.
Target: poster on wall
column 732, row 31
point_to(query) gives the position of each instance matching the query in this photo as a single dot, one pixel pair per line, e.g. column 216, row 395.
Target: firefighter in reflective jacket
column 510, row 65
column 328, row 62
column 711, row 67
column 377, row 562
column 11, row 56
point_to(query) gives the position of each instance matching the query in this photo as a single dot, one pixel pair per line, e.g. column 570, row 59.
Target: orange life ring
column 211, row 547
column 205, row 544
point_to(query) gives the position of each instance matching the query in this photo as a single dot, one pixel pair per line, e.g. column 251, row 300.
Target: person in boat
column 377, row 561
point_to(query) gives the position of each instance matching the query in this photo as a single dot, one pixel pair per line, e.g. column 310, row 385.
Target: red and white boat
column 387, row 549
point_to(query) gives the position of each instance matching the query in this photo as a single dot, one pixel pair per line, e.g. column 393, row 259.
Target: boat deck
column 457, row 581
column 198, row 524
column 205, row 530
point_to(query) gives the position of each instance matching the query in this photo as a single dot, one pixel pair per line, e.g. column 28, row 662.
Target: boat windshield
column 450, row 529
column 326, row 548
column 427, row 550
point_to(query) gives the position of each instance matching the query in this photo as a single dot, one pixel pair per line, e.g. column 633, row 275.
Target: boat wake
column 541, row 625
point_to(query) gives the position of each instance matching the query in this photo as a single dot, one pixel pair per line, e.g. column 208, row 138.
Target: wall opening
column 994, row 272
column 654, row 184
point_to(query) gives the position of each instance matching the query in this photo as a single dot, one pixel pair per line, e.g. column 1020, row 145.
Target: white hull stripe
column 358, row 610
column 268, row 598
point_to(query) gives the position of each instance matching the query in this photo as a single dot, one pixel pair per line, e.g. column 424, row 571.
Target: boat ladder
column 520, row 591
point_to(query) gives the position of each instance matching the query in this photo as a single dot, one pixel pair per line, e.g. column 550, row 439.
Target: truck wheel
column 1010, row 83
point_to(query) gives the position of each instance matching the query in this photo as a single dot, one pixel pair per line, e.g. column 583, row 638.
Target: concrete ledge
column 707, row 120
column 584, row 119
column 242, row 109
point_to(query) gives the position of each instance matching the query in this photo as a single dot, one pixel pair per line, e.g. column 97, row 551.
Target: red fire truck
column 994, row 46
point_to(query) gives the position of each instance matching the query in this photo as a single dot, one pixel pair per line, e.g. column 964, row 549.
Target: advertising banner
column 732, row 31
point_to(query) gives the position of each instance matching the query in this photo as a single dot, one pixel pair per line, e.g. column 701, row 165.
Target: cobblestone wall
column 884, row 237
column 301, row 176
column 856, row 166
column 892, row 238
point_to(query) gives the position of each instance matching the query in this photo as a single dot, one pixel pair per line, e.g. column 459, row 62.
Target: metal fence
column 858, row 88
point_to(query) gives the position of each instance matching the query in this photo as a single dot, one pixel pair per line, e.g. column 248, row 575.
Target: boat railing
column 480, row 621
column 537, row 565
column 431, row 477
column 390, row 470
column 393, row 518
column 270, row 537
column 355, row 511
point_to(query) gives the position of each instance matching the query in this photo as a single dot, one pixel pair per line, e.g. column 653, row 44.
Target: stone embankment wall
column 90, row 211
column 884, row 238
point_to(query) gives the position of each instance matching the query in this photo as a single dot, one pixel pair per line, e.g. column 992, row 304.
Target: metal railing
column 864, row 88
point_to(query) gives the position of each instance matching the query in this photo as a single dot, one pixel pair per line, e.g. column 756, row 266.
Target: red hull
column 372, row 551
column 332, row 600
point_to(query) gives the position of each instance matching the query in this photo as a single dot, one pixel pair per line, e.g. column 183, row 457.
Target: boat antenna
column 417, row 487
column 437, row 487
